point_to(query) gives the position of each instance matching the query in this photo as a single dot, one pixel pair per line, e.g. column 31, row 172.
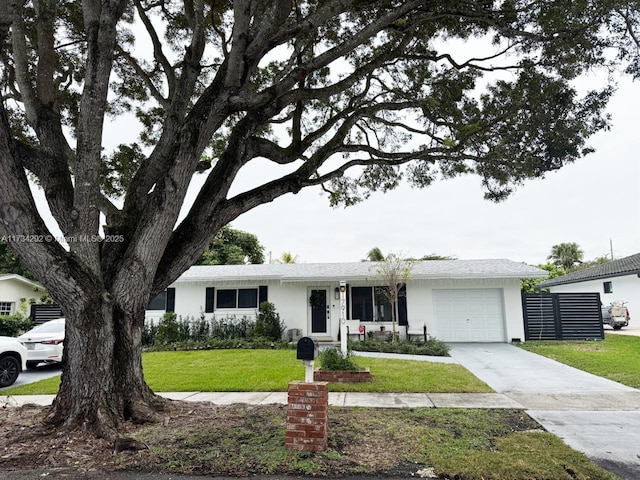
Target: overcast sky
column 592, row 202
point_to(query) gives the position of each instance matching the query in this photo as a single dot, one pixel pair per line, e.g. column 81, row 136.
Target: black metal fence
column 41, row 312
column 562, row 316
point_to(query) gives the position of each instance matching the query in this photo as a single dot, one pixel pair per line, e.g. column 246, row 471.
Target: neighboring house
column 615, row 280
column 15, row 288
column 457, row 300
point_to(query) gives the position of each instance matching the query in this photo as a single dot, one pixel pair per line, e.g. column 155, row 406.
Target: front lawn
column 272, row 370
column 615, row 358
column 406, row 443
column 245, row 440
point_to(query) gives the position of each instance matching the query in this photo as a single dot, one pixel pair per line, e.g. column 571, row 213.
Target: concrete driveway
column 593, row 415
column 633, row 329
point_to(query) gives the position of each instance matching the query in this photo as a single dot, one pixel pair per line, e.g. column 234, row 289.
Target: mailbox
column 307, row 349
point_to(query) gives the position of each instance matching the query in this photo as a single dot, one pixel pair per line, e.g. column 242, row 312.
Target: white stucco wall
column 420, row 303
column 290, row 299
column 625, row 288
column 292, row 303
column 12, row 290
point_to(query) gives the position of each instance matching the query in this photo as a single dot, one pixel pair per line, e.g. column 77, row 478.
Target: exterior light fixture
column 336, row 293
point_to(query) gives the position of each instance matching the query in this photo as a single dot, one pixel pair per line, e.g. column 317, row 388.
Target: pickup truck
column 616, row 314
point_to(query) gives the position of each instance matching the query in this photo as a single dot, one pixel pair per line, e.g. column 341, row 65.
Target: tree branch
column 155, row 93
column 158, row 54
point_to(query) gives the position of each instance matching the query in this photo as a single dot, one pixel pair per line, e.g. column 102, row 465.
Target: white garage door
column 474, row 315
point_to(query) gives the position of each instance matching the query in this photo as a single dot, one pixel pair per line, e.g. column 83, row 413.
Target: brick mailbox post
column 307, row 416
column 308, row 405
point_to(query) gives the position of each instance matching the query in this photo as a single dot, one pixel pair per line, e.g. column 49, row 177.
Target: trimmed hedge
column 432, row 347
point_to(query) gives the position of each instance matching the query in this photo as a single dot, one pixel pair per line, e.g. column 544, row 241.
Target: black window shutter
column 402, row 306
column 171, row 299
column 208, row 301
column 262, row 294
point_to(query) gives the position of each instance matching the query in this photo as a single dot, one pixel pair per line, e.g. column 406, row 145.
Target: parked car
column 13, row 359
column 616, row 314
column 44, row 343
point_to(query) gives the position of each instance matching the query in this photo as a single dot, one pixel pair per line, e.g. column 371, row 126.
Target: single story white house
column 616, row 280
column 17, row 292
column 456, row 300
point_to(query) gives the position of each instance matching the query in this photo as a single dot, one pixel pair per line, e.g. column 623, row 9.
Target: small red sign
column 361, row 329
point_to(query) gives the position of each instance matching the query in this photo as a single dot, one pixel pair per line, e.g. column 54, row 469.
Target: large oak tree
column 349, row 95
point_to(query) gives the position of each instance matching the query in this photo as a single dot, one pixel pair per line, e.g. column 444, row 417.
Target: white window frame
column 6, row 308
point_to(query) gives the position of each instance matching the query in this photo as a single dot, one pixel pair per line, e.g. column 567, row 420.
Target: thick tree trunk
column 102, row 378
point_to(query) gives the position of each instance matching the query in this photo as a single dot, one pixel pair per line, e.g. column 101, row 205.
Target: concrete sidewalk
column 337, row 399
column 600, row 402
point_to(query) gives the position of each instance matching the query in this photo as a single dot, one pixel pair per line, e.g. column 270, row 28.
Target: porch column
column 343, row 317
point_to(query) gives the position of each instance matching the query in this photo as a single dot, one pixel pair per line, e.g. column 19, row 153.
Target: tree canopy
column 529, row 285
column 566, row 255
column 233, row 247
column 10, row 262
column 349, row 96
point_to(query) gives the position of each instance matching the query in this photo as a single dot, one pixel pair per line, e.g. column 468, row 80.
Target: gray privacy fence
column 562, row 316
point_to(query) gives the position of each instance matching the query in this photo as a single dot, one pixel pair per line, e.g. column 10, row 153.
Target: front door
column 319, row 310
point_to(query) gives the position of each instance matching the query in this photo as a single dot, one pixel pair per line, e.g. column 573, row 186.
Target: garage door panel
column 473, row 315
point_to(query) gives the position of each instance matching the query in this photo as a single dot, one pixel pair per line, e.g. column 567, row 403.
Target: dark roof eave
column 553, row 282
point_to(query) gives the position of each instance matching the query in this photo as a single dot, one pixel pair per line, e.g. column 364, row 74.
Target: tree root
column 107, row 422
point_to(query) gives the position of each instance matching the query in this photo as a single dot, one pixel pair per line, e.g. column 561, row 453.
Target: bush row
column 432, row 346
column 171, row 329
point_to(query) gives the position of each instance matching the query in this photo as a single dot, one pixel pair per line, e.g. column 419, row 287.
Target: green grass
column 466, row 444
column 272, row 370
column 615, row 358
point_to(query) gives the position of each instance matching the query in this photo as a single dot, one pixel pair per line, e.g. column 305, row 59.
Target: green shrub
column 223, row 344
column 232, row 327
column 200, row 329
column 332, row 359
column 432, row 347
column 268, row 323
column 14, row 325
column 170, row 330
column 149, row 333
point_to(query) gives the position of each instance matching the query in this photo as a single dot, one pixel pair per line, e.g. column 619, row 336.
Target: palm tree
column 375, row 255
column 287, row 257
column 566, row 255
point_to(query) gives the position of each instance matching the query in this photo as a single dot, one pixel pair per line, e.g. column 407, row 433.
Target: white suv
column 13, row 359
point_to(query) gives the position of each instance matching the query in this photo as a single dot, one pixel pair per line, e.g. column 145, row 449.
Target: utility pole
column 611, row 247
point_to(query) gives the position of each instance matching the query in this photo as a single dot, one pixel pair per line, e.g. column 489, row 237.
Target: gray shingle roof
column 435, row 269
column 624, row 266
